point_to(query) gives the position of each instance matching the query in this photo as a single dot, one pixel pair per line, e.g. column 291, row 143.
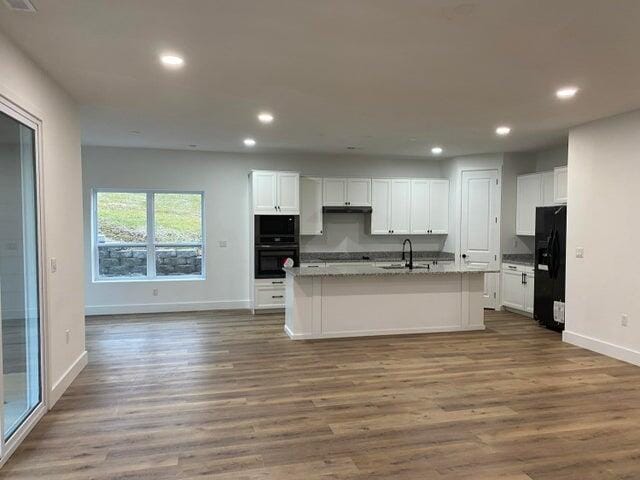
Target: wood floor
column 228, row 396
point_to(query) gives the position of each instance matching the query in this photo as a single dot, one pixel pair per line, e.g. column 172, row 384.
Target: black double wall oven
column 276, row 239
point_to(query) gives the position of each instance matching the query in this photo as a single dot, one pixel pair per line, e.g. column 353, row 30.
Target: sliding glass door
column 19, row 284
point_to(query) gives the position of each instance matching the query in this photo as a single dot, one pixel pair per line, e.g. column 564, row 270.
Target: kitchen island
column 353, row 300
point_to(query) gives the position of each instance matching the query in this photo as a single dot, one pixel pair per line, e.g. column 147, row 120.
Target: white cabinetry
column 560, row 184
column 439, row 206
column 381, row 206
column 347, row 191
column 529, row 196
column 410, row 206
column 391, row 200
column 269, row 293
column 538, row 190
column 400, row 218
column 429, row 206
column 275, row 193
column 420, row 206
column 310, row 206
column 517, row 284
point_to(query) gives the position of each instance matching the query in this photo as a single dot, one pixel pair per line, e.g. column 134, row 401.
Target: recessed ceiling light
column 135, row 132
column 265, row 117
column 503, row 130
column 566, row 92
column 192, row 145
column 172, row 61
column 436, row 150
column 249, row 142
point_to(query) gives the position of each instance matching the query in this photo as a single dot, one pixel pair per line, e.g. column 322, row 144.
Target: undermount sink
column 398, row 267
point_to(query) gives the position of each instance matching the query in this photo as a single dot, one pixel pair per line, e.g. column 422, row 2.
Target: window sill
column 186, row 278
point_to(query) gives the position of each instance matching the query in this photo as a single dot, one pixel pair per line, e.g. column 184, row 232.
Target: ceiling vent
column 20, row 5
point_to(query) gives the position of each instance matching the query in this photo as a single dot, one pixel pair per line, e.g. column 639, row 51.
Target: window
column 148, row 235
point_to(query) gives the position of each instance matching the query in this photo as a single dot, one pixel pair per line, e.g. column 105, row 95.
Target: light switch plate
column 54, row 265
column 579, row 252
column 222, row 243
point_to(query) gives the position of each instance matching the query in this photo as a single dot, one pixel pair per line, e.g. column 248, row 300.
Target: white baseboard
column 377, row 333
column 611, row 350
column 69, row 376
column 166, row 307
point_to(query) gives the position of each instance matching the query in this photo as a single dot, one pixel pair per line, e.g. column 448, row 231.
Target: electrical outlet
column 222, row 243
column 579, row 252
column 54, row 265
column 155, row 292
column 624, row 321
column 67, row 334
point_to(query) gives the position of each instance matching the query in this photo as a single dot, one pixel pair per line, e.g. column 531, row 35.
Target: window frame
column 150, row 244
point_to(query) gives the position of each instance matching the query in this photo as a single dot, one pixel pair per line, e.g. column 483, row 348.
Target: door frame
column 28, row 118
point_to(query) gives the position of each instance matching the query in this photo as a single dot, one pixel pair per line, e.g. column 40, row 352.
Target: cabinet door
column 264, row 192
column 334, row 192
column 528, row 292
column 359, row 192
column 560, row 184
column 512, row 290
column 439, row 206
column 381, row 204
column 547, row 179
column 419, row 206
column 310, row 206
column 401, row 206
column 288, row 193
column 529, row 196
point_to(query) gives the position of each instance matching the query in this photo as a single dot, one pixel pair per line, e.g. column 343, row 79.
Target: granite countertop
column 337, row 257
column 357, row 270
column 518, row 258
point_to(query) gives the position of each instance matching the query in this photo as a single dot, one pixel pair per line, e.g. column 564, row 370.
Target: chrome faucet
column 410, row 262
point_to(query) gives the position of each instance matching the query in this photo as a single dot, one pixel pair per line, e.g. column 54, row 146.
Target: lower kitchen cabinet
column 268, row 293
column 517, row 284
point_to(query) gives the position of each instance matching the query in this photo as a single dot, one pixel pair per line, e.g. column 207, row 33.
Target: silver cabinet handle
column 512, row 267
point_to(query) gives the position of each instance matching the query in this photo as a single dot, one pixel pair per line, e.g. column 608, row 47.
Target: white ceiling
column 392, row 77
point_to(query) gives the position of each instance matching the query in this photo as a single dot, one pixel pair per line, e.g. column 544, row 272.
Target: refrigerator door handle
column 549, row 254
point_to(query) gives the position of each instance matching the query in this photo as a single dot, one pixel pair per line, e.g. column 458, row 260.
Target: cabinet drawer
column 514, row 267
column 269, row 297
column 269, row 282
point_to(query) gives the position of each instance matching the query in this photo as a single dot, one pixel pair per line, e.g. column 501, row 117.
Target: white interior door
column 480, row 220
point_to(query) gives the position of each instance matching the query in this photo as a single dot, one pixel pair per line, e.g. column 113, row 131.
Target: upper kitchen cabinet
column 400, row 218
column 538, row 190
column 275, row 193
column 310, row 206
column 529, row 196
column 560, row 184
column 381, row 207
column 347, row 191
column 429, row 206
column 439, row 207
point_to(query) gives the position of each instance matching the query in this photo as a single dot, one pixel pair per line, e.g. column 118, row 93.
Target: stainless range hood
column 347, row 209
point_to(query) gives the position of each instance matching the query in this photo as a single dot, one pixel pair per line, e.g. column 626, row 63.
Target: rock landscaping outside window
column 147, row 235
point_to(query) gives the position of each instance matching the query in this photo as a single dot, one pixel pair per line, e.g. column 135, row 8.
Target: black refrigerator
column 550, row 263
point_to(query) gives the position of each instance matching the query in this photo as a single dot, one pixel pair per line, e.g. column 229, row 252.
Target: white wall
column 604, row 174
column 224, row 179
column 552, row 157
column 514, row 164
column 23, row 83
